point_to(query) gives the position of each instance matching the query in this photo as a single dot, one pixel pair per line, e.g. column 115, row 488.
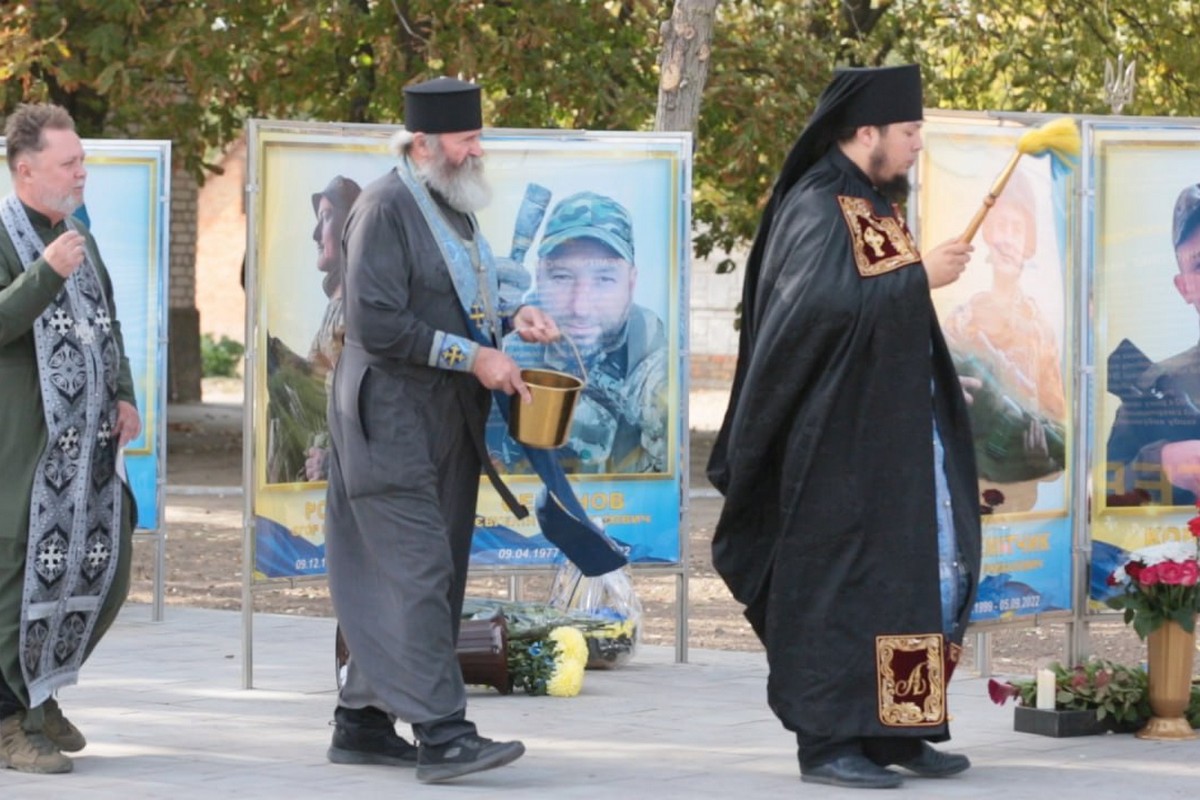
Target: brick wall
column 184, row 196
column 183, row 324
column 713, row 338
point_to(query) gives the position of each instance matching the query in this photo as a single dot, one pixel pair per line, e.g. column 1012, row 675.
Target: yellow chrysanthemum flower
column 570, row 643
column 567, row 680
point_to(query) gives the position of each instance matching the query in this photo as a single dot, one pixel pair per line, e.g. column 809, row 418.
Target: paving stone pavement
column 162, row 706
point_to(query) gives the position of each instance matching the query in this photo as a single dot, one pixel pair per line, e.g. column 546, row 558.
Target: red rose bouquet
column 1159, row 583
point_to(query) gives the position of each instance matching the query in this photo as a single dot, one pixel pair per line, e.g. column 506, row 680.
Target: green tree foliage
column 220, row 358
column 1050, row 56
column 126, row 68
column 194, row 70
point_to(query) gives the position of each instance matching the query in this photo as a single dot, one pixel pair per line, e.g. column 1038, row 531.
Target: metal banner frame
column 1139, row 169
column 1026, row 492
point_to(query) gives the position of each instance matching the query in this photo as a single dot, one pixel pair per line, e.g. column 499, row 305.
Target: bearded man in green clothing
column 66, row 410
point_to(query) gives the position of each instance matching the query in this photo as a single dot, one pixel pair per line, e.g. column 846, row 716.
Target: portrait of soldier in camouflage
column 586, row 277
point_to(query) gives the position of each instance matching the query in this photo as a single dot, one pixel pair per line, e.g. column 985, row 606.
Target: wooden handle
column 990, row 199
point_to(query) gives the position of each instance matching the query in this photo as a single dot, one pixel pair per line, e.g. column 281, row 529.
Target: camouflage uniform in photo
column 620, row 421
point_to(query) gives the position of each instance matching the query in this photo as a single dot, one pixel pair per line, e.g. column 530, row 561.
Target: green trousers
column 12, row 581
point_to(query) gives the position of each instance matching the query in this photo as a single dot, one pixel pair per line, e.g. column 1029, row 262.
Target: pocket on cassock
column 385, row 438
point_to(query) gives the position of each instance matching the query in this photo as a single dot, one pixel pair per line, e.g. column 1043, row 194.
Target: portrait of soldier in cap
column 1003, row 337
column 586, row 281
column 850, row 528
column 1154, row 444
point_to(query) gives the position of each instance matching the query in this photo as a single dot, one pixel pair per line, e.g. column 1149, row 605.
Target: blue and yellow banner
column 1144, row 236
column 1006, row 321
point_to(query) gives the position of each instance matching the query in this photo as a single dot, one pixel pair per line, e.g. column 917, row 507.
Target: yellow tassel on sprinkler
column 1059, row 137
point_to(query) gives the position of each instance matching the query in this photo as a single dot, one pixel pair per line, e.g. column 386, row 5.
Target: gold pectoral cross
column 874, row 240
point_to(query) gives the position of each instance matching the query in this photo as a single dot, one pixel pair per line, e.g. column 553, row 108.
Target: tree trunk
column 683, row 66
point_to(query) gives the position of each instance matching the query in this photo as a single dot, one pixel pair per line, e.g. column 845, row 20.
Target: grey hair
column 401, row 142
column 24, row 130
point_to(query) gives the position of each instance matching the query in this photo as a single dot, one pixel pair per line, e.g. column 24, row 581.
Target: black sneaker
column 464, row 755
column 367, row 736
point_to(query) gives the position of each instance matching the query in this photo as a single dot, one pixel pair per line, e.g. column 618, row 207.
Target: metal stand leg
column 681, row 622
column 160, row 579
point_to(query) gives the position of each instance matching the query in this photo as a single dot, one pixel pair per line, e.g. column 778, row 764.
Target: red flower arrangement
column 1115, row 692
column 1160, row 584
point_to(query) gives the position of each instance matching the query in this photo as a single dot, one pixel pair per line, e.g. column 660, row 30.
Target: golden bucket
column 546, row 422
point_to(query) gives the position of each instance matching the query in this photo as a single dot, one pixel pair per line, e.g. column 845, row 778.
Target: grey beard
column 62, row 204
column 464, row 187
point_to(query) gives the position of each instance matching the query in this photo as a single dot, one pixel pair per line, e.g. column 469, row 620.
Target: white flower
column 1167, row 551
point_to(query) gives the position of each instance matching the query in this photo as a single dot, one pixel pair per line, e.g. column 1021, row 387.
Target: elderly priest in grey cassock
column 410, row 399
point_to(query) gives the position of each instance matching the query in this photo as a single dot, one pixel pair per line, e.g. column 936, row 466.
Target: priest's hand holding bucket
column 533, row 324
column 496, row 370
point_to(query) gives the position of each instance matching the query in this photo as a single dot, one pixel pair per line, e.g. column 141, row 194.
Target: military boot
column 59, row 730
column 29, row 752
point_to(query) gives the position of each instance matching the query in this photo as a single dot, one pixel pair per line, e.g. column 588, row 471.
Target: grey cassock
column 404, row 473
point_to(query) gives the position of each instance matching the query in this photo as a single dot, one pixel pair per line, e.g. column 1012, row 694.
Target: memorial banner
column 1006, row 322
column 1145, row 237
column 623, row 308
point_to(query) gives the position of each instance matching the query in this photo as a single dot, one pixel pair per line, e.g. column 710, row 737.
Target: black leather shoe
column 464, row 755
column 368, row 736
column 933, row 763
column 853, row 771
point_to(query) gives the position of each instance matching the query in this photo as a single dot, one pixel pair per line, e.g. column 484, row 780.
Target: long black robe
column 828, row 534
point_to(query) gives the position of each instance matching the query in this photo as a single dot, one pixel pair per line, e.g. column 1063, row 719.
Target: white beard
column 464, row 187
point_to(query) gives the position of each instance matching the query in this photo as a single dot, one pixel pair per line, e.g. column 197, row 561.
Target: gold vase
column 1170, row 653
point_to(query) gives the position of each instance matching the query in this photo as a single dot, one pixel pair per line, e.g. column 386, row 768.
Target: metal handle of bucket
column 575, row 350
column 578, row 358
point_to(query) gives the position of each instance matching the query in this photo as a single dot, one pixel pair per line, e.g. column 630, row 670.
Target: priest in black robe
column 850, row 528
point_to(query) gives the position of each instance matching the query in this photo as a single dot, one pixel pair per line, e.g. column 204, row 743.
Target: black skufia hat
column 442, row 105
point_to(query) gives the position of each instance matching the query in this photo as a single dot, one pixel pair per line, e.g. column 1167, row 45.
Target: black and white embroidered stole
column 75, row 513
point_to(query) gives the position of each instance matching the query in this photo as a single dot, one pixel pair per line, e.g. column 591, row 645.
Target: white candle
column 1046, row 689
